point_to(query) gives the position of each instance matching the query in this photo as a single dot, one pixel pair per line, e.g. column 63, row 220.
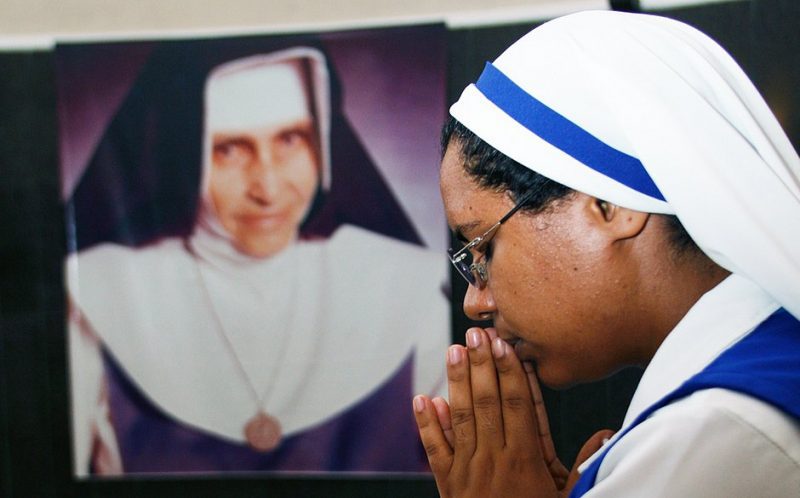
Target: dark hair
column 494, row 170
column 682, row 243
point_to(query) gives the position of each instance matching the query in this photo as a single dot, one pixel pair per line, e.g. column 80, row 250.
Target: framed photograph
column 255, row 267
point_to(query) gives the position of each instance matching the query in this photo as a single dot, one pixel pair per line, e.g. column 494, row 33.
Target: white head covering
column 652, row 115
column 242, row 93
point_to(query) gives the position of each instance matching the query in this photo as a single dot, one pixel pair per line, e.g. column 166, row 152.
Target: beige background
column 37, row 22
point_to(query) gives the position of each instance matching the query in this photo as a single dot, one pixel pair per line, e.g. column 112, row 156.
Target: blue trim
column 563, row 134
column 764, row 365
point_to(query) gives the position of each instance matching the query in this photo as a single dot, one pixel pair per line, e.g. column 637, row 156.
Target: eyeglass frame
column 476, row 274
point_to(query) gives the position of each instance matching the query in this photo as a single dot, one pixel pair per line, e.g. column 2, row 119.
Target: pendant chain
column 259, row 400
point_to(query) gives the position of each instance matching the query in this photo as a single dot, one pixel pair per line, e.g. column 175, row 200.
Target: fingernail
column 454, row 354
column 473, row 338
column 419, row 404
column 499, row 347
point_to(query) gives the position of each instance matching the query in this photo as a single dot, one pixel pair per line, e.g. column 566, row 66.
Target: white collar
column 719, row 319
column 332, row 359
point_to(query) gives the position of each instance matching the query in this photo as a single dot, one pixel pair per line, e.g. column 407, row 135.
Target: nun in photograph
column 277, row 318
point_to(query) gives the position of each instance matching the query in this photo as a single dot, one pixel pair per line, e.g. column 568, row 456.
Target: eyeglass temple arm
column 525, row 198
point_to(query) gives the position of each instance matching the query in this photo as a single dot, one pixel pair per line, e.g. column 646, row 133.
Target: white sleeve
column 714, row 444
column 93, row 439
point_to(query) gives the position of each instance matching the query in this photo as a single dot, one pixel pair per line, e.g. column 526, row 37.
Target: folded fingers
column 432, row 435
column 519, row 417
column 443, row 413
column 485, row 391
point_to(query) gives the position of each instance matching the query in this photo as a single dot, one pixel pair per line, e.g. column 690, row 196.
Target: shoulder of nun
column 108, row 264
column 111, row 253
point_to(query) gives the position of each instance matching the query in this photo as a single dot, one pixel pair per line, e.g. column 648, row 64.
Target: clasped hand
column 493, row 438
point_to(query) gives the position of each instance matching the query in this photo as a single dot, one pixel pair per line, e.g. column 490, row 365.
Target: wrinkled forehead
column 259, row 96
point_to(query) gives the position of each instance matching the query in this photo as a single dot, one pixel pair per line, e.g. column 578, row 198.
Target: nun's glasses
column 476, row 273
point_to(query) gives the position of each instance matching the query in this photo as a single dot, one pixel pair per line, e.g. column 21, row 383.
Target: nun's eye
column 488, row 250
column 232, row 152
column 291, row 144
column 292, row 138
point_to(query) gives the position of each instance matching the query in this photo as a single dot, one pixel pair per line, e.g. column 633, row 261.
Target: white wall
column 36, row 23
column 29, row 20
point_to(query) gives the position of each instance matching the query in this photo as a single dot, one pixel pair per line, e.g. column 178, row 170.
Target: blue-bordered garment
column 764, row 365
column 652, row 115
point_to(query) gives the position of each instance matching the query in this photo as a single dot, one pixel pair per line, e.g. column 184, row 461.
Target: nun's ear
column 606, row 208
column 620, row 222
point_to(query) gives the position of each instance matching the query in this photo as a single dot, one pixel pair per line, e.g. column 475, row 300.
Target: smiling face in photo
column 264, row 166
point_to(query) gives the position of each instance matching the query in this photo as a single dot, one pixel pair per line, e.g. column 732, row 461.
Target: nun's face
column 553, row 292
column 264, row 166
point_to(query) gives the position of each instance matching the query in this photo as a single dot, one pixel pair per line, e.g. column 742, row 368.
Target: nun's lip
column 263, row 220
column 524, row 350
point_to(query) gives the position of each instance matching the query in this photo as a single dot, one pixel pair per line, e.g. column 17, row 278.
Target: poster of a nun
column 255, row 270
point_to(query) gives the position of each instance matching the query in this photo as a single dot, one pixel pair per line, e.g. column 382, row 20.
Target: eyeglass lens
column 463, row 264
